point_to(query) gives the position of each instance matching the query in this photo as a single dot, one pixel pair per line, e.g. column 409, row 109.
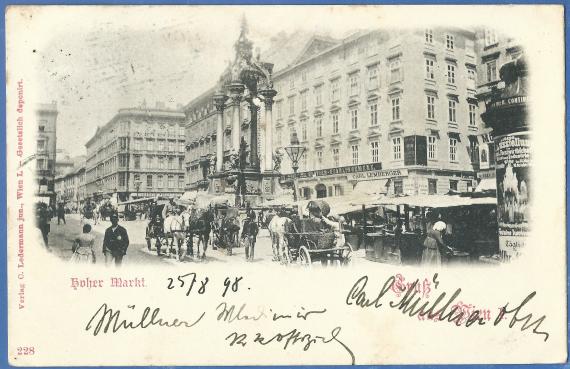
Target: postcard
column 285, row 185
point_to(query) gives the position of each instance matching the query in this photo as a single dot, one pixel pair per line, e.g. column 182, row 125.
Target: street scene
column 312, row 149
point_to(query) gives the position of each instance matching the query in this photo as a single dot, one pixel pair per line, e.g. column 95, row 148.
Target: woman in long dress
column 83, row 251
column 433, row 244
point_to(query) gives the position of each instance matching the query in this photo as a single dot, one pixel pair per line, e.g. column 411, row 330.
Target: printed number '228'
column 26, row 350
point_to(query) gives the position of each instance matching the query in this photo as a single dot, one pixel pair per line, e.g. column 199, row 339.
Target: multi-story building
column 379, row 111
column 46, row 115
column 138, row 153
column 493, row 51
column 70, row 186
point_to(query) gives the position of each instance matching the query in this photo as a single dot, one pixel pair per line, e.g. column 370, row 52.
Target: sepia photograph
column 314, row 158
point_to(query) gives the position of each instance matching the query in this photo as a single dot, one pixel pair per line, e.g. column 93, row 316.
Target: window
column 170, row 162
column 432, row 147
column 397, row 148
column 161, row 145
column 334, row 118
column 335, row 89
column 395, row 108
column 181, row 147
column 122, row 179
column 161, row 162
column 138, row 143
column 395, row 71
column 149, row 160
column 160, row 181
column 471, row 78
column 490, row 37
column 41, row 164
column 491, row 71
column 354, row 150
column 373, row 78
column 304, row 130
column 170, row 181
column 429, row 36
column 303, row 100
column 473, row 149
column 123, row 160
column 373, row 114
column 375, row 151
column 137, row 179
column 291, row 105
column 149, row 180
column 432, row 186
column 319, row 159
column 181, row 132
column 336, row 157
column 279, row 108
column 430, row 69
column 430, row 107
column 449, row 42
column 453, row 184
column 123, row 143
column 180, row 163
column 451, row 74
column 452, row 111
column 319, row 95
column 472, row 114
column 149, row 145
column 453, row 149
column 42, row 128
column 171, row 146
column 180, row 181
column 337, row 190
column 137, row 162
column 304, row 161
column 353, row 82
column 319, row 125
column 354, row 118
column 41, row 145
column 398, row 187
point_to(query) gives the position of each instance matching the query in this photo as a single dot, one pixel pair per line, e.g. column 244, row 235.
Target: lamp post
column 295, row 151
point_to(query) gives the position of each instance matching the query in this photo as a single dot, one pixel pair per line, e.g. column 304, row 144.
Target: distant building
column 138, row 153
column 46, row 117
column 70, row 186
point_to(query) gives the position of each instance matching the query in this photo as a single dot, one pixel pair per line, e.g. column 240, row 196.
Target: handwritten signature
column 410, row 304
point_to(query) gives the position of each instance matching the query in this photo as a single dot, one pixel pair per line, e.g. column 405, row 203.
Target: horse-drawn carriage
column 311, row 239
column 226, row 227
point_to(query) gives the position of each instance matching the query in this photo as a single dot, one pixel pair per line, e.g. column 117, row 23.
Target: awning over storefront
column 374, row 187
column 486, row 184
column 436, row 201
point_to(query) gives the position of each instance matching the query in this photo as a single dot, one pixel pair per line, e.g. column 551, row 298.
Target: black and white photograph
column 340, row 160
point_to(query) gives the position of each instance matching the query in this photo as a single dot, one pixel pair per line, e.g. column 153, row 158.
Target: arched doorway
column 321, row 190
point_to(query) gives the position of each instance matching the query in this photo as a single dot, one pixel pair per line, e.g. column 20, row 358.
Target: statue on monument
column 277, row 159
column 242, row 154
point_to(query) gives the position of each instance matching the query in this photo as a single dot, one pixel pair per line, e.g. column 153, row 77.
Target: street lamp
column 295, row 151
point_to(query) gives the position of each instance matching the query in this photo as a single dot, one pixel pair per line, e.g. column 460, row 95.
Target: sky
column 102, row 61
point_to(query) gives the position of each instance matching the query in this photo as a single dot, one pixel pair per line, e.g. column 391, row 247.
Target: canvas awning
column 486, row 184
column 436, row 201
column 374, row 187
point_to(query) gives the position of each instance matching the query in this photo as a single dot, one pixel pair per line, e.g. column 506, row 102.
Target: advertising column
column 507, row 114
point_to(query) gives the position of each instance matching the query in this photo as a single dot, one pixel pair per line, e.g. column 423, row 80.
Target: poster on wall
column 513, row 188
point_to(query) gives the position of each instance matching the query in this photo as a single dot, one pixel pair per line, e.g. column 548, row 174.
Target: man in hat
column 115, row 242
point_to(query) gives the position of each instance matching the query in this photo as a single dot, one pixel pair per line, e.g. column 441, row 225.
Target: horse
column 174, row 229
column 277, row 228
column 200, row 225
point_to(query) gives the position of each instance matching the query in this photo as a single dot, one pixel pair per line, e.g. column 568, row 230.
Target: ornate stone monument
column 246, row 82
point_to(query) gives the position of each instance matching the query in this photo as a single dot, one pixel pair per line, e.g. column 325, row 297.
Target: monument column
column 268, row 95
column 219, row 102
column 253, row 158
column 236, row 91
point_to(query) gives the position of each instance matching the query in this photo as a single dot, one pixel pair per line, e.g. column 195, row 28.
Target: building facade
column 383, row 112
column 138, row 153
column 494, row 50
column 377, row 112
column 70, row 187
column 46, row 141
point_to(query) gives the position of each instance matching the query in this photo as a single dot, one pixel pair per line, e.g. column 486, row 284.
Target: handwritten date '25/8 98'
column 189, row 281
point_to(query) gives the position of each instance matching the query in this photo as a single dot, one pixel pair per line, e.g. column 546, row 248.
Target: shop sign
column 503, row 103
column 377, row 174
column 336, row 171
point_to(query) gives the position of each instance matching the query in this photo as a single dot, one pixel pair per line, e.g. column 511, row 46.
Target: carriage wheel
column 304, row 256
column 346, row 254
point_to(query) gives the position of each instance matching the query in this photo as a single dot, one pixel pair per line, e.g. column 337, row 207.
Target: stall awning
column 486, row 184
column 375, row 187
column 436, row 201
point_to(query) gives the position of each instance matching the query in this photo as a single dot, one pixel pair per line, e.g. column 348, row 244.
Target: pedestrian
column 60, row 213
column 83, row 251
column 434, row 245
column 115, row 242
column 249, row 235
